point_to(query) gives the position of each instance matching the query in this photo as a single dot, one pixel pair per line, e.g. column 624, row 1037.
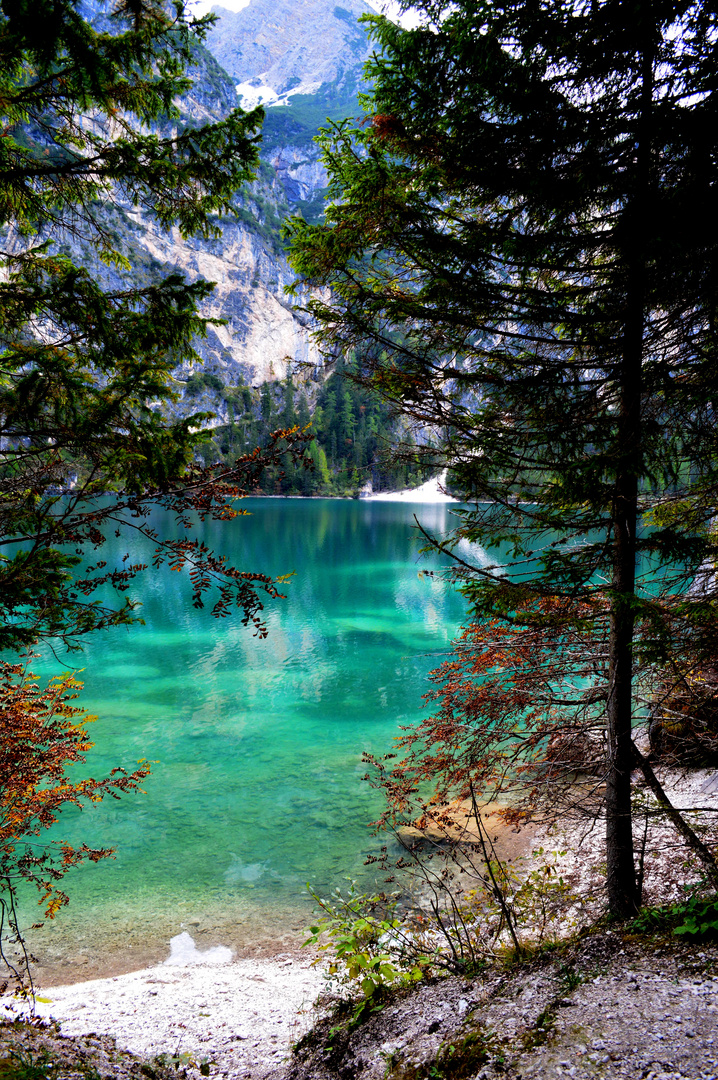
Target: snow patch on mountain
column 257, row 92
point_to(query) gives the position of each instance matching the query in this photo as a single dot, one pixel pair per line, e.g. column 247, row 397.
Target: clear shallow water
column 258, row 787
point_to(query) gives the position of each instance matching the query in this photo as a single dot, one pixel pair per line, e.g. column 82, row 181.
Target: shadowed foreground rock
column 605, row 1007
column 32, row 1049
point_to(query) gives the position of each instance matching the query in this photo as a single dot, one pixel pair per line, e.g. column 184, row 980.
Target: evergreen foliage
column 353, row 435
column 521, row 252
column 91, row 130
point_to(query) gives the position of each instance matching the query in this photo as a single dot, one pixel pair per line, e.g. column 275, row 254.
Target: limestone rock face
column 305, row 58
column 299, row 171
column 262, row 337
column 290, row 46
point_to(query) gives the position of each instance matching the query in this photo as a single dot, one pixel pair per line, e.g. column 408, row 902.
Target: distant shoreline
column 430, row 492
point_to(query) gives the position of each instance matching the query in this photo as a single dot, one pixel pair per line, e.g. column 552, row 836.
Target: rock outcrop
column 308, row 56
column 278, row 49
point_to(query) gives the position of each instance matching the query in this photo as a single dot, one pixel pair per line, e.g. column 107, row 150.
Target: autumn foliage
column 516, row 712
column 517, row 723
column 42, row 735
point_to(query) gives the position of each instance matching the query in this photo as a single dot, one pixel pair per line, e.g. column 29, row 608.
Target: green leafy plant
column 695, row 919
column 370, row 948
column 457, row 1059
column 699, row 919
column 25, row 1065
column 22, row 1065
column 570, row 977
column 542, row 1030
column 180, row 1061
column 462, row 1058
column 543, row 897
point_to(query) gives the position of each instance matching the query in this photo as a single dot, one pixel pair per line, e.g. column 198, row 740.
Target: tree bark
column 621, row 873
column 679, row 822
column 622, row 888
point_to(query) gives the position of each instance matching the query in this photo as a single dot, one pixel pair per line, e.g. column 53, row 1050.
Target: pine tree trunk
column 621, row 873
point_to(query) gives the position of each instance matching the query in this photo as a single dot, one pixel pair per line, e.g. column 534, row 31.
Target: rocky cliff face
column 303, row 59
column 278, row 49
column 306, row 56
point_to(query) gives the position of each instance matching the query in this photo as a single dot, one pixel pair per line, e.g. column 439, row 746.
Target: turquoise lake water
column 258, row 787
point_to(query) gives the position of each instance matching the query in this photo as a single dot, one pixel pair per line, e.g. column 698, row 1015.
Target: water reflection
column 258, row 784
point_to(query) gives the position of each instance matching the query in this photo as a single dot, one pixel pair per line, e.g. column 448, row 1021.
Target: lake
column 258, row 786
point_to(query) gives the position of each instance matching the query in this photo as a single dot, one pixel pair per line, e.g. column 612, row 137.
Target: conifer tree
column 521, row 252
column 90, row 129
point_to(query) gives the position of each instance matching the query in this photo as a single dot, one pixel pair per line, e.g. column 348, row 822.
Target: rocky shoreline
column 238, row 1017
column 605, row 1005
column 601, row 1004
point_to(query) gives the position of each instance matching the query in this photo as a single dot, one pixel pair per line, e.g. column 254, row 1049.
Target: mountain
column 276, row 49
column 304, row 58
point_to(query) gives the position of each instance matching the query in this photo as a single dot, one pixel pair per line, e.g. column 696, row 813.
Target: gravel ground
column 637, row 1012
column 239, row 1017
